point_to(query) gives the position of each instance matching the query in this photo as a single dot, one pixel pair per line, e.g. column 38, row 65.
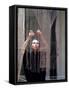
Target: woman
column 34, row 62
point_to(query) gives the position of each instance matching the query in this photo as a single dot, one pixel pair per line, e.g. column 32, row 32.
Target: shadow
column 6, row 81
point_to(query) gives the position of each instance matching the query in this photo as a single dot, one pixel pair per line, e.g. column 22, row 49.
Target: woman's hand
column 39, row 33
column 31, row 33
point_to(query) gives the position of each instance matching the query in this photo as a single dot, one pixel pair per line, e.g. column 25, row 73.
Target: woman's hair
column 35, row 41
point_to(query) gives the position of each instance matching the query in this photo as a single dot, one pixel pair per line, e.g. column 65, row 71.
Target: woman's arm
column 25, row 44
column 44, row 42
column 43, row 39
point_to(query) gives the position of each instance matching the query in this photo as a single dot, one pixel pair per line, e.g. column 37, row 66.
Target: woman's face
column 35, row 45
